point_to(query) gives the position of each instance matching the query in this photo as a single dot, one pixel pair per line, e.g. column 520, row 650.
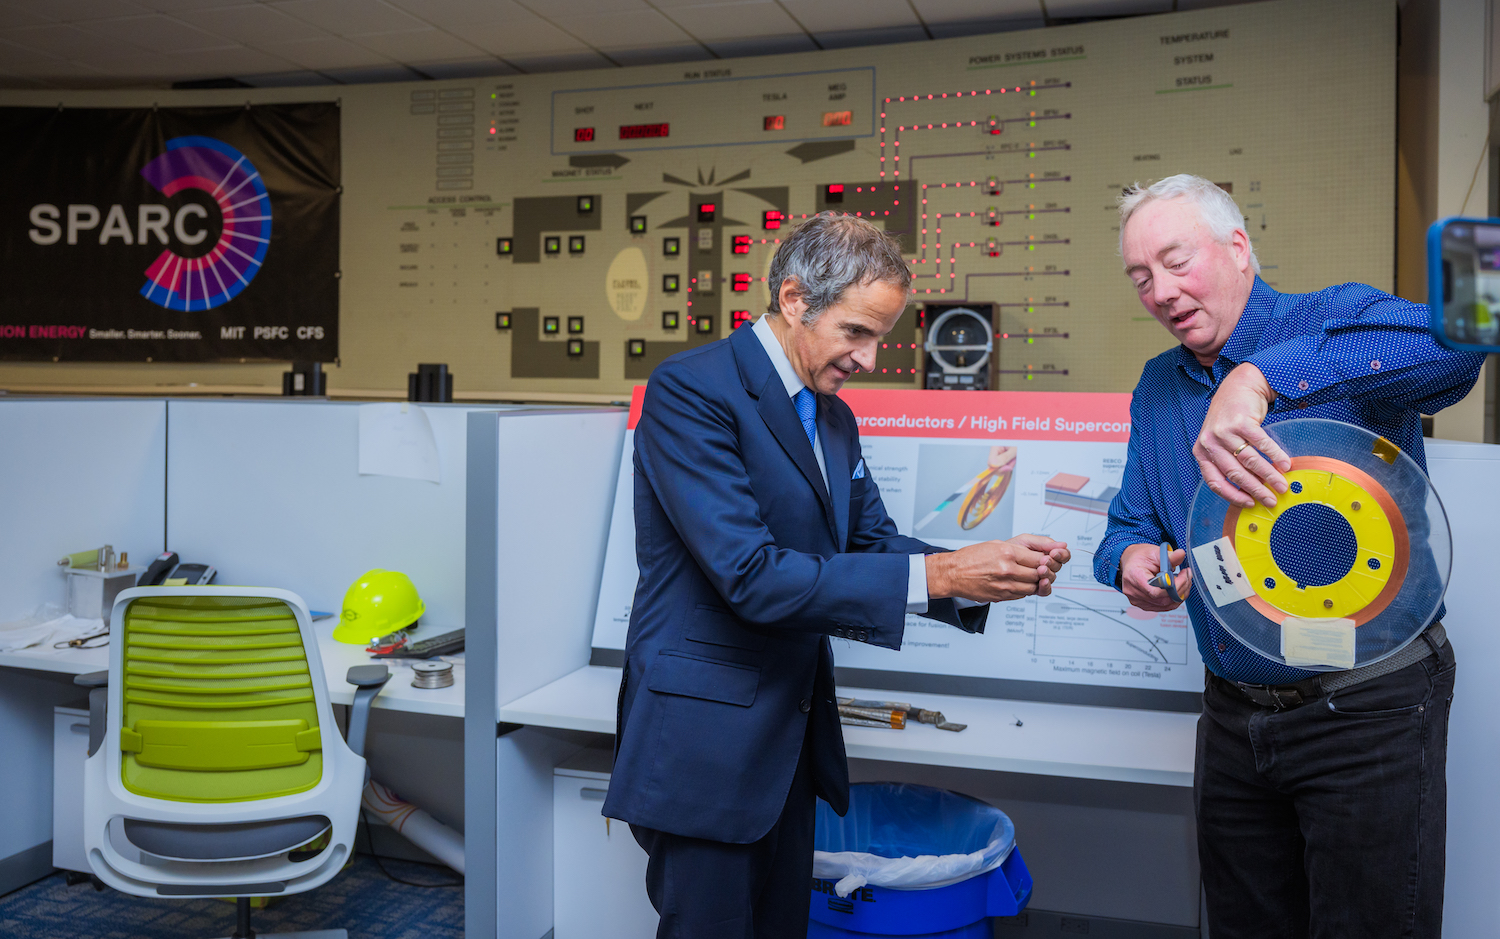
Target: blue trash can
column 945, row 883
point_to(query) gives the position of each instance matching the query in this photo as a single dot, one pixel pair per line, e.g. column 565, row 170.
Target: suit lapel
column 760, row 379
column 780, row 415
column 836, row 453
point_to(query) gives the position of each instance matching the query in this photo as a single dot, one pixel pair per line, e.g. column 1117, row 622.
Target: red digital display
column 738, row 318
column 837, row 188
column 739, row 283
column 775, row 122
column 838, row 118
column 741, row 246
column 771, row 221
column 583, row 135
column 642, row 131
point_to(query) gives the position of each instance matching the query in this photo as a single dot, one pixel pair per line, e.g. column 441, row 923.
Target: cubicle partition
column 75, row 474
column 540, row 491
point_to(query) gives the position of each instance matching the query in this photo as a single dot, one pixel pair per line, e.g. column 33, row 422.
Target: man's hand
column 1002, row 458
column 1239, row 460
column 997, row 570
column 1141, row 562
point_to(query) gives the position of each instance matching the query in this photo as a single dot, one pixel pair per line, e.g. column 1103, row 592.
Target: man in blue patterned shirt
column 1320, row 797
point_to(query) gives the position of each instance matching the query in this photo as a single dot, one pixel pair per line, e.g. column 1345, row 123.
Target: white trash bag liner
column 907, row 837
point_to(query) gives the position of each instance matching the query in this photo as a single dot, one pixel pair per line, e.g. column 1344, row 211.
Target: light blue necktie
column 807, row 410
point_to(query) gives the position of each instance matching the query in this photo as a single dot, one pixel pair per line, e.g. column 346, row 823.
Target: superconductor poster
column 171, row 234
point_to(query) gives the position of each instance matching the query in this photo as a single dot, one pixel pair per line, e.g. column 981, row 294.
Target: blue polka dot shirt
column 1348, row 353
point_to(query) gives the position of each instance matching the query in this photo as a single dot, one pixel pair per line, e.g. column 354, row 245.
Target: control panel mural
column 568, row 232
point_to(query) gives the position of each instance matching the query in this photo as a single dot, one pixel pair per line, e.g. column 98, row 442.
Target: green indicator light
column 1032, row 124
column 1033, row 94
column 1031, row 309
column 1031, row 216
column 1028, row 377
column 1031, row 247
column 1031, row 186
column 1029, row 341
column 1030, row 155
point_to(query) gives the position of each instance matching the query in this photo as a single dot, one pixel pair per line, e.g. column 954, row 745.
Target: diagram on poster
column 956, row 469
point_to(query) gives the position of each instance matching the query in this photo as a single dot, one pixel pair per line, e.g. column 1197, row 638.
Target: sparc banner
column 170, row 235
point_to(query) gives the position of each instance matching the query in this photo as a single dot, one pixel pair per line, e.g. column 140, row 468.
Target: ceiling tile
column 65, row 42
column 659, row 55
column 180, row 6
column 631, row 28
column 12, row 16
column 555, row 8
column 252, row 24
column 1068, row 9
column 532, row 37
column 560, row 63
column 818, row 16
column 74, row 11
column 454, row 15
column 158, row 33
column 968, row 11
column 25, row 58
column 218, row 62
column 429, row 45
column 324, row 54
column 844, row 39
column 371, row 74
column 763, row 45
column 729, row 21
column 472, row 68
column 349, row 17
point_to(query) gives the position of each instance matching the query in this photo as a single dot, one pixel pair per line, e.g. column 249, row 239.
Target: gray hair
column 1215, row 207
column 828, row 254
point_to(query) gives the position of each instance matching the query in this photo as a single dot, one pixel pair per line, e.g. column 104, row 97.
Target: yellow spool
column 1374, row 537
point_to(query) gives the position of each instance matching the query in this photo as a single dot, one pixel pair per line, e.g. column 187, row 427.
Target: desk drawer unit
column 70, row 748
column 599, row 872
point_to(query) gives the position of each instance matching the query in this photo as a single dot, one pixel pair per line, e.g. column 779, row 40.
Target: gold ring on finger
column 1241, row 447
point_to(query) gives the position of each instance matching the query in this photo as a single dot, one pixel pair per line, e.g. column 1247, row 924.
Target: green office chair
column 215, row 767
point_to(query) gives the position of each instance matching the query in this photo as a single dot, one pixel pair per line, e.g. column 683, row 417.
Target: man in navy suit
column 759, row 534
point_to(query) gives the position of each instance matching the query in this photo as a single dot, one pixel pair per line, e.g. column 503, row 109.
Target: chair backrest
column 217, row 697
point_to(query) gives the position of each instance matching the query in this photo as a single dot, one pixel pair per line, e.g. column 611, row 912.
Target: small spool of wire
column 431, row 673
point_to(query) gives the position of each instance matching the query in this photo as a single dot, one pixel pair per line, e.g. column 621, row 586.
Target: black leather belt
column 1286, row 697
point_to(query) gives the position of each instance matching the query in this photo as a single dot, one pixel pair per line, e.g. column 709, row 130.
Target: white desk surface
column 1118, row 744
column 398, row 694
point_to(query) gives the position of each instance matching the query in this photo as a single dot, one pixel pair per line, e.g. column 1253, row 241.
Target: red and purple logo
column 202, row 283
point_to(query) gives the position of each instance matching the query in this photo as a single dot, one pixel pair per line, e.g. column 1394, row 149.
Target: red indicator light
column 838, row 118
column 642, row 131
column 775, row 122
column 772, row 220
column 583, row 135
column 742, row 246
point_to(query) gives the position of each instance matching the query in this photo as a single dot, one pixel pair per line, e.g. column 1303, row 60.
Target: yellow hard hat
column 377, row 604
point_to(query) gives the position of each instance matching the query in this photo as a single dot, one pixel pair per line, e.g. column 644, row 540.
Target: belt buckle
column 1272, row 696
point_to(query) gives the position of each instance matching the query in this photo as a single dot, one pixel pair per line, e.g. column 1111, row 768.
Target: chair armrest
column 97, row 683
column 368, row 680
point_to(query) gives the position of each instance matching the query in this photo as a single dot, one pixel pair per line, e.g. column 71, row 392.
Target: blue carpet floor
column 360, row 899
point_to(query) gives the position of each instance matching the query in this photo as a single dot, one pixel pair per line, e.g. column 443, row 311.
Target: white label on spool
column 1311, row 642
column 1223, row 577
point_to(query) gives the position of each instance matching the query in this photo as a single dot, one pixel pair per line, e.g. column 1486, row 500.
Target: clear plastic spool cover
column 1358, row 541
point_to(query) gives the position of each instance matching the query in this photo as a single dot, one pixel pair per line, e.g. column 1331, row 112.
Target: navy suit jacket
column 748, row 562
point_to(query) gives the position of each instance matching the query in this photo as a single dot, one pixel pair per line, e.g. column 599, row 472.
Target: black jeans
column 1327, row 821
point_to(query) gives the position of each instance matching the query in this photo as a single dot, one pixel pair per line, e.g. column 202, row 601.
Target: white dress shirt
column 916, row 579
